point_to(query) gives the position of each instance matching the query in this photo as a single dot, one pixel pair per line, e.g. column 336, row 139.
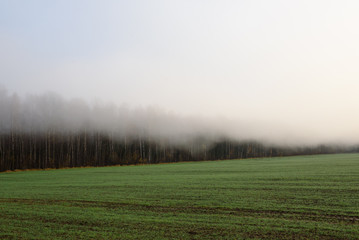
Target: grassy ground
column 307, row 197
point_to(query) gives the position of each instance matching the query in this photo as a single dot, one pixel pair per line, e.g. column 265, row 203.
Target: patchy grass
column 306, row 197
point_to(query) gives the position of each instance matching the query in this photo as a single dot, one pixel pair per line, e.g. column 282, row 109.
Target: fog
column 277, row 71
column 52, row 112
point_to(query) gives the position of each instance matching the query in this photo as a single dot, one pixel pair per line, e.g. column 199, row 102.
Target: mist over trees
column 47, row 131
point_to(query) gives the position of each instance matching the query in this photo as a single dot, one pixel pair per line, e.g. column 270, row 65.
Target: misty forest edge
column 58, row 150
column 46, row 131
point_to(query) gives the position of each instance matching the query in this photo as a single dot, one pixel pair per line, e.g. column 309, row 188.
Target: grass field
column 306, row 197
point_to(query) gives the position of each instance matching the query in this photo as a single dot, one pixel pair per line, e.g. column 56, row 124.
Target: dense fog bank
column 50, row 112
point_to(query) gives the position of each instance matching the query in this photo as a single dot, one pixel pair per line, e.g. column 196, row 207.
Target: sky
column 274, row 64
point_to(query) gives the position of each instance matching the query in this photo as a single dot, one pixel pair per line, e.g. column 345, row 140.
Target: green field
column 306, row 197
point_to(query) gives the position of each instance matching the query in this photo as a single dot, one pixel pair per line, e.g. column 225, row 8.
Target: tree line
column 51, row 149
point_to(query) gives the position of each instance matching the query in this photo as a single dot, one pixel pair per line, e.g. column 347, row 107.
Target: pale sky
column 285, row 63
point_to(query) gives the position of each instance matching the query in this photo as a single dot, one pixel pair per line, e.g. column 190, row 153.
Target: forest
column 46, row 131
column 61, row 150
